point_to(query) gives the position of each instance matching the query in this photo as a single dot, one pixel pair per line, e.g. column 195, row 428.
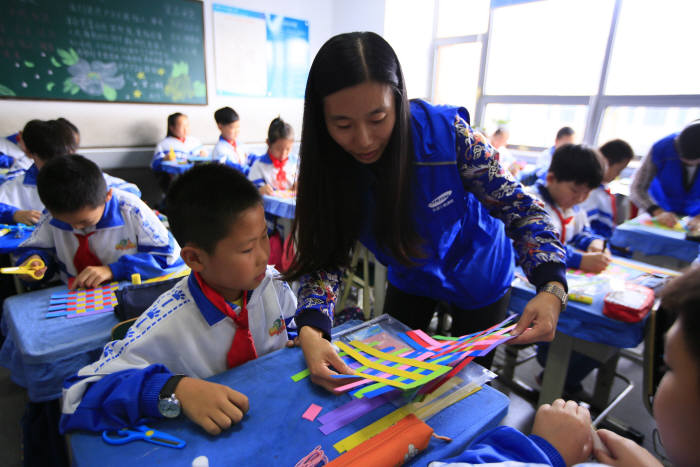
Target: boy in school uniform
column 575, row 170
column 12, row 153
column 231, row 309
column 93, row 233
column 43, row 140
column 565, row 135
column 667, row 184
column 226, row 150
column 600, row 206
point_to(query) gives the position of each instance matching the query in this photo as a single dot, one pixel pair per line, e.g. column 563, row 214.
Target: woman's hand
column 320, row 357
column 539, row 319
column 666, row 218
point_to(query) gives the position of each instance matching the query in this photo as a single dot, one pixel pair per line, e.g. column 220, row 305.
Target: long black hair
column 172, row 121
column 331, row 184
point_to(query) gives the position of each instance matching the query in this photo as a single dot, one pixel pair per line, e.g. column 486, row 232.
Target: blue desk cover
column 10, row 241
column 41, row 352
column 273, row 432
column 175, row 168
column 282, row 207
column 655, row 241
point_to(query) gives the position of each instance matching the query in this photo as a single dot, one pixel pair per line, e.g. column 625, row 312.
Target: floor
column 520, row 414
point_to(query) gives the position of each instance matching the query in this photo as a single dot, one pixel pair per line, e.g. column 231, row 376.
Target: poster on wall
column 259, row 54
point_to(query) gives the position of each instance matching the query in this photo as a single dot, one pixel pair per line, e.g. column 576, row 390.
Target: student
column 178, row 145
column 575, row 170
column 667, row 184
column 498, row 140
column 600, row 207
column 226, row 150
column 232, row 308
column 561, row 434
column 413, row 183
column 94, row 233
column 276, row 170
column 44, row 140
column 565, row 135
column 12, row 153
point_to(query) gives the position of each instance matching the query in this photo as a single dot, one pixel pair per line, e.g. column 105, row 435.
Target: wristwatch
column 557, row 291
column 168, row 404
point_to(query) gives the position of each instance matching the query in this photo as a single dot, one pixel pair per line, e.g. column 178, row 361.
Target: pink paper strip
column 312, row 412
column 434, row 345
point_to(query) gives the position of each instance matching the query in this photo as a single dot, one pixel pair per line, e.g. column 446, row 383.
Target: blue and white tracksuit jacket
column 263, row 172
column 129, row 239
column 578, row 232
column 465, row 205
column 21, row 193
column 225, row 153
column 11, row 155
column 181, row 333
column 599, row 209
column 190, row 147
column 668, row 188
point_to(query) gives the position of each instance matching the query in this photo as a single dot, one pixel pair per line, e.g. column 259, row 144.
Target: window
column 457, row 74
column 462, row 17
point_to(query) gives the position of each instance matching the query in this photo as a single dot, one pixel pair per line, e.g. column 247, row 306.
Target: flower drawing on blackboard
column 96, row 78
column 180, row 87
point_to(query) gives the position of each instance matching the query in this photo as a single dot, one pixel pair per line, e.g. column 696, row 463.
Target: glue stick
column 136, row 278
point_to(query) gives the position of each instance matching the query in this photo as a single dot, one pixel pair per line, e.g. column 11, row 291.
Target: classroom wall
column 117, row 134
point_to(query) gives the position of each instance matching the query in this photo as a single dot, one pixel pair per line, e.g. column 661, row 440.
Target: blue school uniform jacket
column 225, row 153
column 668, row 189
column 599, row 207
column 463, row 200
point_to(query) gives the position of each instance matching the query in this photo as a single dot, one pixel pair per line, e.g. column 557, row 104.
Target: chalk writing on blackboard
column 127, row 51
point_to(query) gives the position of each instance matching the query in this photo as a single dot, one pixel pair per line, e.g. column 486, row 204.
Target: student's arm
column 40, row 243
column 639, row 191
column 7, row 214
column 573, row 257
column 120, row 184
column 158, row 253
column 538, row 249
column 6, row 161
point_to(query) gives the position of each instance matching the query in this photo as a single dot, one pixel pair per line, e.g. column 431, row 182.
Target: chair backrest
column 658, row 323
column 119, row 330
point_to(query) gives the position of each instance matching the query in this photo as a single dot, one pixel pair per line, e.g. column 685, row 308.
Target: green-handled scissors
column 143, row 432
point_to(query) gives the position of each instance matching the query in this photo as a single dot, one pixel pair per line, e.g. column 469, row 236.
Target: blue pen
column 143, row 432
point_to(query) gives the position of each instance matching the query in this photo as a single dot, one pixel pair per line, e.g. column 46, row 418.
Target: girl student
column 276, row 170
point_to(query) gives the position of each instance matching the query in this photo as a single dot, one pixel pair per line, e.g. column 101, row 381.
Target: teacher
column 420, row 189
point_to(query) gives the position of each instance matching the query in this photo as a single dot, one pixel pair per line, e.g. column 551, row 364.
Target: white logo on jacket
column 441, row 201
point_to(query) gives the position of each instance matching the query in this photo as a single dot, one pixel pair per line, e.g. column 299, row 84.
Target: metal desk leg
column 604, row 382
column 379, row 287
column 556, row 368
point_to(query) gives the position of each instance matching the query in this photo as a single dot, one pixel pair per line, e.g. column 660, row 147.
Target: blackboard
column 103, row 50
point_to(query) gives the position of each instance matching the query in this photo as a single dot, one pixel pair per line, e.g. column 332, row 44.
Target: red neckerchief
column 613, row 204
column 182, row 140
column 564, row 222
column 242, row 348
column 281, row 176
column 232, row 142
column 84, row 257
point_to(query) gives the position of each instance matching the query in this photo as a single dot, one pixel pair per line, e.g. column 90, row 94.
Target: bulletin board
column 103, row 50
column 259, row 54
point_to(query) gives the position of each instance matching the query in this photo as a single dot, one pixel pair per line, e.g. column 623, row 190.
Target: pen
column 605, row 245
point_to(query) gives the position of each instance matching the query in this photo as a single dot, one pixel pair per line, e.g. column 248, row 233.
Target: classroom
column 369, row 232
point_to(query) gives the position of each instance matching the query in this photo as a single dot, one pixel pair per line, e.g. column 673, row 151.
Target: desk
column 39, row 352
column 10, row 241
column 583, row 328
column 273, row 432
column 175, row 168
column 651, row 240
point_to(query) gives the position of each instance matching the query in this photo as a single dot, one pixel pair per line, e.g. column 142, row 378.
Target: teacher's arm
column 539, row 251
column 314, row 318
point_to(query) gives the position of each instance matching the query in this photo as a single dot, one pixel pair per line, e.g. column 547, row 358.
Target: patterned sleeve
column 538, row 249
column 316, row 300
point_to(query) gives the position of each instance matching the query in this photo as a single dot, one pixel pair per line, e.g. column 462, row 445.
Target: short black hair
column 564, row 132
column 579, row 164
column 681, row 297
column 689, row 141
column 617, row 150
column 67, row 184
column 225, row 116
column 279, row 129
column 172, row 121
column 49, row 138
column 204, row 203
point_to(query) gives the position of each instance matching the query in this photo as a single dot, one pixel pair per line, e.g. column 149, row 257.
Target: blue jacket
column 470, row 267
column 668, row 188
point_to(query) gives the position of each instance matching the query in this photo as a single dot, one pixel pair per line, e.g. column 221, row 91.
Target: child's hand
column 694, row 223
column 567, row 427
column 623, row 452
column 594, row 262
column 203, row 153
column 28, row 217
column 667, row 218
column 596, row 246
column 266, row 190
column 212, row 406
column 92, row 276
column 34, row 261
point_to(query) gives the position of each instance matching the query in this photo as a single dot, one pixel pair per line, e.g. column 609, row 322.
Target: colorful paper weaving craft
column 647, row 221
column 84, row 302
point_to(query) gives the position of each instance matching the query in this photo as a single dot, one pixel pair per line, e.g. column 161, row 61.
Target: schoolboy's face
column 239, row 260
column 84, row 217
column 614, row 170
column 566, row 194
column 361, row 119
column 280, row 149
column 230, row 131
column 677, row 400
column 181, row 128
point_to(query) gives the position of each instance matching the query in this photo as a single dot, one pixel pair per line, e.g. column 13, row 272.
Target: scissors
column 143, row 432
column 29, row 270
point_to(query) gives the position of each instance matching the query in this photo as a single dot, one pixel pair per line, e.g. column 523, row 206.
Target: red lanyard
column 563, row 224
